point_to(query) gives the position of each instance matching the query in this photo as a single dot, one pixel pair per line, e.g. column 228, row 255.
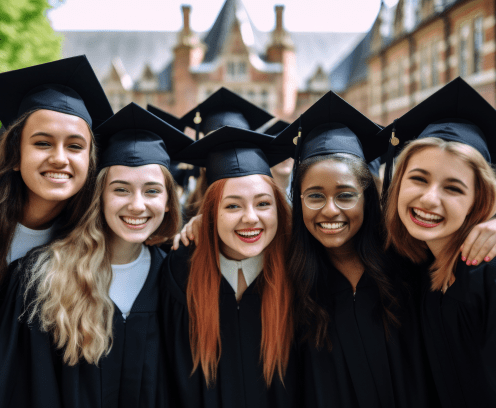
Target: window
column 463, row 59
column 434, row 63
column 424, row 67
column 478, row 42
column 236, row 71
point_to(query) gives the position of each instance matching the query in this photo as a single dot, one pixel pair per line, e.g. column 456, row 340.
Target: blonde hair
column 442, row 270
column 72, row 277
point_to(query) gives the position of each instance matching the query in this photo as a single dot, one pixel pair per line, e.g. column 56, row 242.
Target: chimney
column 279, row 9
column 186, row 8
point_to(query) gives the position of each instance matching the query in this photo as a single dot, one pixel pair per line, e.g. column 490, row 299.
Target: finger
column 189, row 231
column 484, row 252
column 469, row 241
column 478, row 246
column 491, row 255
column 175, row 243
column 184, row 238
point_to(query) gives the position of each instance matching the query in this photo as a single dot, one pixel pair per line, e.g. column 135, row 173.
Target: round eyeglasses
column 345, row 201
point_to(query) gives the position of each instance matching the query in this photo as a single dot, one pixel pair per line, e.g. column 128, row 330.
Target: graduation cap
column 233, row 152
column 225, row 108
column 455, row 113
column 135, row 137
column 167, row 117
column 68, row 86
column 276, row 128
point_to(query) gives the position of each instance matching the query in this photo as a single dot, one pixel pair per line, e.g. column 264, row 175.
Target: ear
column 17, row 168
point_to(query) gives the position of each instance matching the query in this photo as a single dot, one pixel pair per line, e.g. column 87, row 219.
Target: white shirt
column 128, row 280
column 251, row 268
column 26, row 239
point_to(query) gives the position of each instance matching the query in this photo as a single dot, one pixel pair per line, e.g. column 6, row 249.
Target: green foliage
column 26, row 37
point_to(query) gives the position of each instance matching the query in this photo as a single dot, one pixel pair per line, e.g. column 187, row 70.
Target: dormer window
column 236, row 70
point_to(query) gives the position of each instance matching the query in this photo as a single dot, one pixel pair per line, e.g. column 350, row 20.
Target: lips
column 331, row 227
column 135, row 222
column 249, row 235
column 425, row 219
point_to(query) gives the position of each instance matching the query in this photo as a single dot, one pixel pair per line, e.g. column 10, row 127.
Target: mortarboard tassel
column 297, row 142
column 393, row 142
column 197, row 121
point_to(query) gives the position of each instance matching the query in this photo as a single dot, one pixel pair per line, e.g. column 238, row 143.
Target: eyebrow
column 339, row 187
column 236, row 197
column 148, row 183
column 49, row 135
column 451, row 179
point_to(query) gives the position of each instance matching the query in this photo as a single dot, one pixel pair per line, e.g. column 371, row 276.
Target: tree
column 26, row 36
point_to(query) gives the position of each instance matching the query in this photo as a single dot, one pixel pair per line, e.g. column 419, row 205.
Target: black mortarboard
column 167, row 117
column 331, row 125
column 232, row 152
column 67, row 86
column 135, row 137
column 276, row 128
column 456, row 113
column 225, row 108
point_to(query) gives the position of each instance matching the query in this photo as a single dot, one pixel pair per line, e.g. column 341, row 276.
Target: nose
column 330, row 209
column 137, row 204
column 250, row 215
column 59, row 156
column 430, row 199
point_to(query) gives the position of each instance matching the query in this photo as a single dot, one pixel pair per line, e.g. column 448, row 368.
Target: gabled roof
column 353, row 68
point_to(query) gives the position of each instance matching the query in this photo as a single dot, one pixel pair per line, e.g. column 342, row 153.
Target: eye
column 76, row 147
column 42, row 144
column 153, row 191
column 347, row 196
column 454, row 189
column 232, row 206
column 120, row 190
column 264, row 204
column 418, row 178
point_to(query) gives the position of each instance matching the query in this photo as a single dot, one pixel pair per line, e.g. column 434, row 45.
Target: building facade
column 279, row 71
column 413, row 49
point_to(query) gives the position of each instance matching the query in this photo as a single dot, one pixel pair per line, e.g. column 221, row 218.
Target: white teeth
column 427, row 216
column 249, row 233
column 56, row 175
column 134, row 221
column 332, row 225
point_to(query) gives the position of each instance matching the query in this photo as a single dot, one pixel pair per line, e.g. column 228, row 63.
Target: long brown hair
column 482, row 209
column 72, row 280
column 203, row 290
column 13, row 195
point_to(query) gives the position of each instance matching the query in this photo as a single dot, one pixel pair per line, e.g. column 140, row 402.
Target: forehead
column 149, row 172
column 56, row 123
column 247, row 186
column 441, row 165
column 328, row 174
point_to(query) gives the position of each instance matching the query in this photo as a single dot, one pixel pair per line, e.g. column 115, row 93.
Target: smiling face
column 247, row 217
column 55, row 154
column 330, row 225
column 435, row 196
column 134, row 202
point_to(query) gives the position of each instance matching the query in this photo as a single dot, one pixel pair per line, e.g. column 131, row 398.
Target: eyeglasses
column 345, row 201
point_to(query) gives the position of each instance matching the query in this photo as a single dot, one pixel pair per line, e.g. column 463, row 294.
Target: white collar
column 251, row 268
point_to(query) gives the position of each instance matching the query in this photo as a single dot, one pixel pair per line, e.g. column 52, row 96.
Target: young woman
column 227, row 303
column 80, row 325
column 47, row 153
column 361, row 343
column 442, row 186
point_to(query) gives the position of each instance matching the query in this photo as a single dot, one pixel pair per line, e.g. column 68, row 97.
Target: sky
column 165, row 15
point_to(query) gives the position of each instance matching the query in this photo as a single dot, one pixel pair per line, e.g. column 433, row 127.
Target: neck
column 123, row 252
column 346, row 260
column 436, row 247
column 40, row 214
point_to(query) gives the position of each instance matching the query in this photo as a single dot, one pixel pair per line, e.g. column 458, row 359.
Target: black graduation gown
column 240, row 381
column 33, row 375
column 460, row 335
column 363, row 369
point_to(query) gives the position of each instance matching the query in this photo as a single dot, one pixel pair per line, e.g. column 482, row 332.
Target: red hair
column 203, row 290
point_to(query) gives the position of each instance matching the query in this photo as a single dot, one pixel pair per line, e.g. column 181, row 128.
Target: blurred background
column 383, row 57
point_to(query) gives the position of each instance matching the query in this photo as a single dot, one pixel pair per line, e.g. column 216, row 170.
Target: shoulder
column 176, row 270
column 478, row 281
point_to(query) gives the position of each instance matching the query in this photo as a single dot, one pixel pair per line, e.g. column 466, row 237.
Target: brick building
column 280, row 71
column 413, row 49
